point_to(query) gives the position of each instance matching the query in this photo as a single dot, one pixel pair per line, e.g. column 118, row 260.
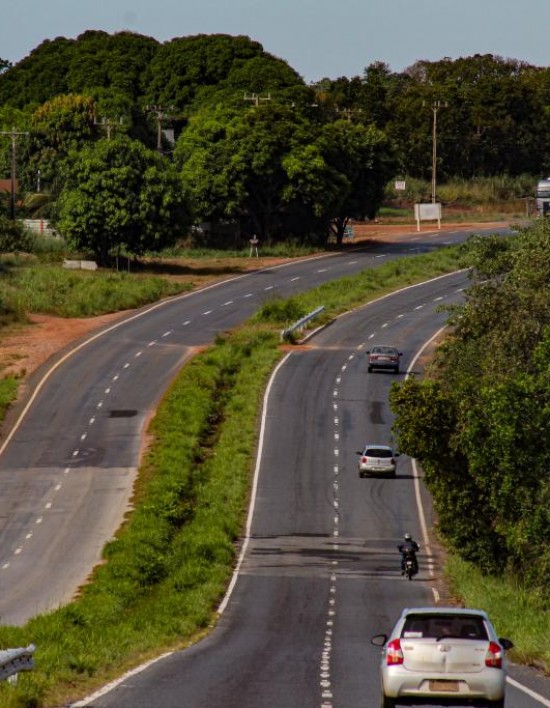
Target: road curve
column 320, row 573
column 67, row 468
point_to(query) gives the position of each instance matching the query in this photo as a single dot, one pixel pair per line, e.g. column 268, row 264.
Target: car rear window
column 438, row 626
column 377, row 452
column 384, row 350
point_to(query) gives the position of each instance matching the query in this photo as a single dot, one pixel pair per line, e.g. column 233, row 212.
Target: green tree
column 263, row 167
column 480, row 423
column 363, row 157
column 191, row 69
column 118, row 194
column 58, row 126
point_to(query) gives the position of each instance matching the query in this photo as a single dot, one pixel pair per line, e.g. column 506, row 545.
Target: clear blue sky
column 318, row 38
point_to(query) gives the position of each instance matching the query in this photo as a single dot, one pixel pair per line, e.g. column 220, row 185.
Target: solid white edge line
column 422, row 519
column 244, row 547
column 122, row 322
column 540, row 699
column 421, row 515
column 113, row 684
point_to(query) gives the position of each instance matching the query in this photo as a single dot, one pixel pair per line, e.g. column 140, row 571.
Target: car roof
column 385, row 346
column 443, row 611
column 378, row 447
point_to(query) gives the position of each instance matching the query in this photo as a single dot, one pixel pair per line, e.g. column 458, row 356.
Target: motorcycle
column 410, row 566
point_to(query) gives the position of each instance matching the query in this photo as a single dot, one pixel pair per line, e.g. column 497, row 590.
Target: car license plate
column 450, row 686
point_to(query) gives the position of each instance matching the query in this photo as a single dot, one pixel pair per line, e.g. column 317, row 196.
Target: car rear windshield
column 438, row 626
column 384, row 350
column 377, row 452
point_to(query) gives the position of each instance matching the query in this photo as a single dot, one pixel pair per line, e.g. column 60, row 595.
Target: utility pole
column 255, row 99
column 160, row 114
column 436, row 105
column 349, row 112
column 14, row 134
column 107, row 124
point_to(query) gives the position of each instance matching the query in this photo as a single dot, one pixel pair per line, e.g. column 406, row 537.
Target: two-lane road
column 67, row 470
column 320, row 574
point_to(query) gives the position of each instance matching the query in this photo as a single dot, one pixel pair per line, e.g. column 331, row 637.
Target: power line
column 256, row 99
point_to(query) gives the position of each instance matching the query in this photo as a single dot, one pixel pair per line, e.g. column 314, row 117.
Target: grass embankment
column 517, row 614
column 28, row 286
column 169, row 566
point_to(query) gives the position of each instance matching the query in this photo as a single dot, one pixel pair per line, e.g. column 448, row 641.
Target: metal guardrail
column 301, row 323
column 12, row 661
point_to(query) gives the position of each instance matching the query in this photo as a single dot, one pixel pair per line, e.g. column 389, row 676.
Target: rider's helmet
column 407, row 537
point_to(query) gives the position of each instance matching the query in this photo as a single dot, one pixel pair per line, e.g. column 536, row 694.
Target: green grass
column 8, row 394
column 169, row 565
column 522, row 617
column 53, row 290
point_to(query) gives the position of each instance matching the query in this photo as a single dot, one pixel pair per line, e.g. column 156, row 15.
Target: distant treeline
column 245, row 140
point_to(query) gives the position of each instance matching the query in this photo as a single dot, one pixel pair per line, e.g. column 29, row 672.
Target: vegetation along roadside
column 169, row 566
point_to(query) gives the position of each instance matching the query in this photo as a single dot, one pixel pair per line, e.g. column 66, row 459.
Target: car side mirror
column 379, row 640
column 358, row 452
column 368, row 351
column 396, row 454
column 506, row 643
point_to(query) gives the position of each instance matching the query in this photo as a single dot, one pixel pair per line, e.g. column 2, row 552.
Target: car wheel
column 396, row 369
column 386, row 702
column 496, row 704
column 369, row 369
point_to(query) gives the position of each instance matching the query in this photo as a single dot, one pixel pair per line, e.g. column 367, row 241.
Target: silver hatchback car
column 444, row 653
column 377, row 459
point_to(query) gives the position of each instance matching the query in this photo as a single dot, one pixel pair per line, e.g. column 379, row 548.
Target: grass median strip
column 169, row 566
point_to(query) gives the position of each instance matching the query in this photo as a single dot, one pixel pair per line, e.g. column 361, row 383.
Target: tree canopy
column 480, row 422
column 117, row 194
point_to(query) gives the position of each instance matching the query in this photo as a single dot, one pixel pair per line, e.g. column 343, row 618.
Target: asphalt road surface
column 320, row 574
column 67, row 469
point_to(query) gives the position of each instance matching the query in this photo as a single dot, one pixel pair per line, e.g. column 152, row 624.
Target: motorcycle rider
column 409, row 548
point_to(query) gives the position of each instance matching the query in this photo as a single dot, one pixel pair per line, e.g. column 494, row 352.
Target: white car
column 377, row 459
column 443, row 653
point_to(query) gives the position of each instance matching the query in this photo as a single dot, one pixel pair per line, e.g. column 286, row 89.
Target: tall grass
column 470, row 193
column 516, row 614
column 50, row 289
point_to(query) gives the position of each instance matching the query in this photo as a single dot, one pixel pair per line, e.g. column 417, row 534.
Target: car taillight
column 392, row 460
column 364, row 460
column 394, row 655
column 494, row 656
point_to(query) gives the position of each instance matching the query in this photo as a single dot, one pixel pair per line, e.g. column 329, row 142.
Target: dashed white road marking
column 229, row 302
column 292, row 280
column 167, row 334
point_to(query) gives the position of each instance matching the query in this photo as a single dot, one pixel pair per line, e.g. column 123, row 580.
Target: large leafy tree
column 481, row 423
column 186, row 69
column 119, row 194
column 363, row 157
column 263, row 167
column 58, row 126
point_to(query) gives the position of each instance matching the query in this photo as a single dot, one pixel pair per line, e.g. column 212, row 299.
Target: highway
column 320, row 570
column 68, row 464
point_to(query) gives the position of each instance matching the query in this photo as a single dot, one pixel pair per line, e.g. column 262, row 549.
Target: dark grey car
column 382, row 356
